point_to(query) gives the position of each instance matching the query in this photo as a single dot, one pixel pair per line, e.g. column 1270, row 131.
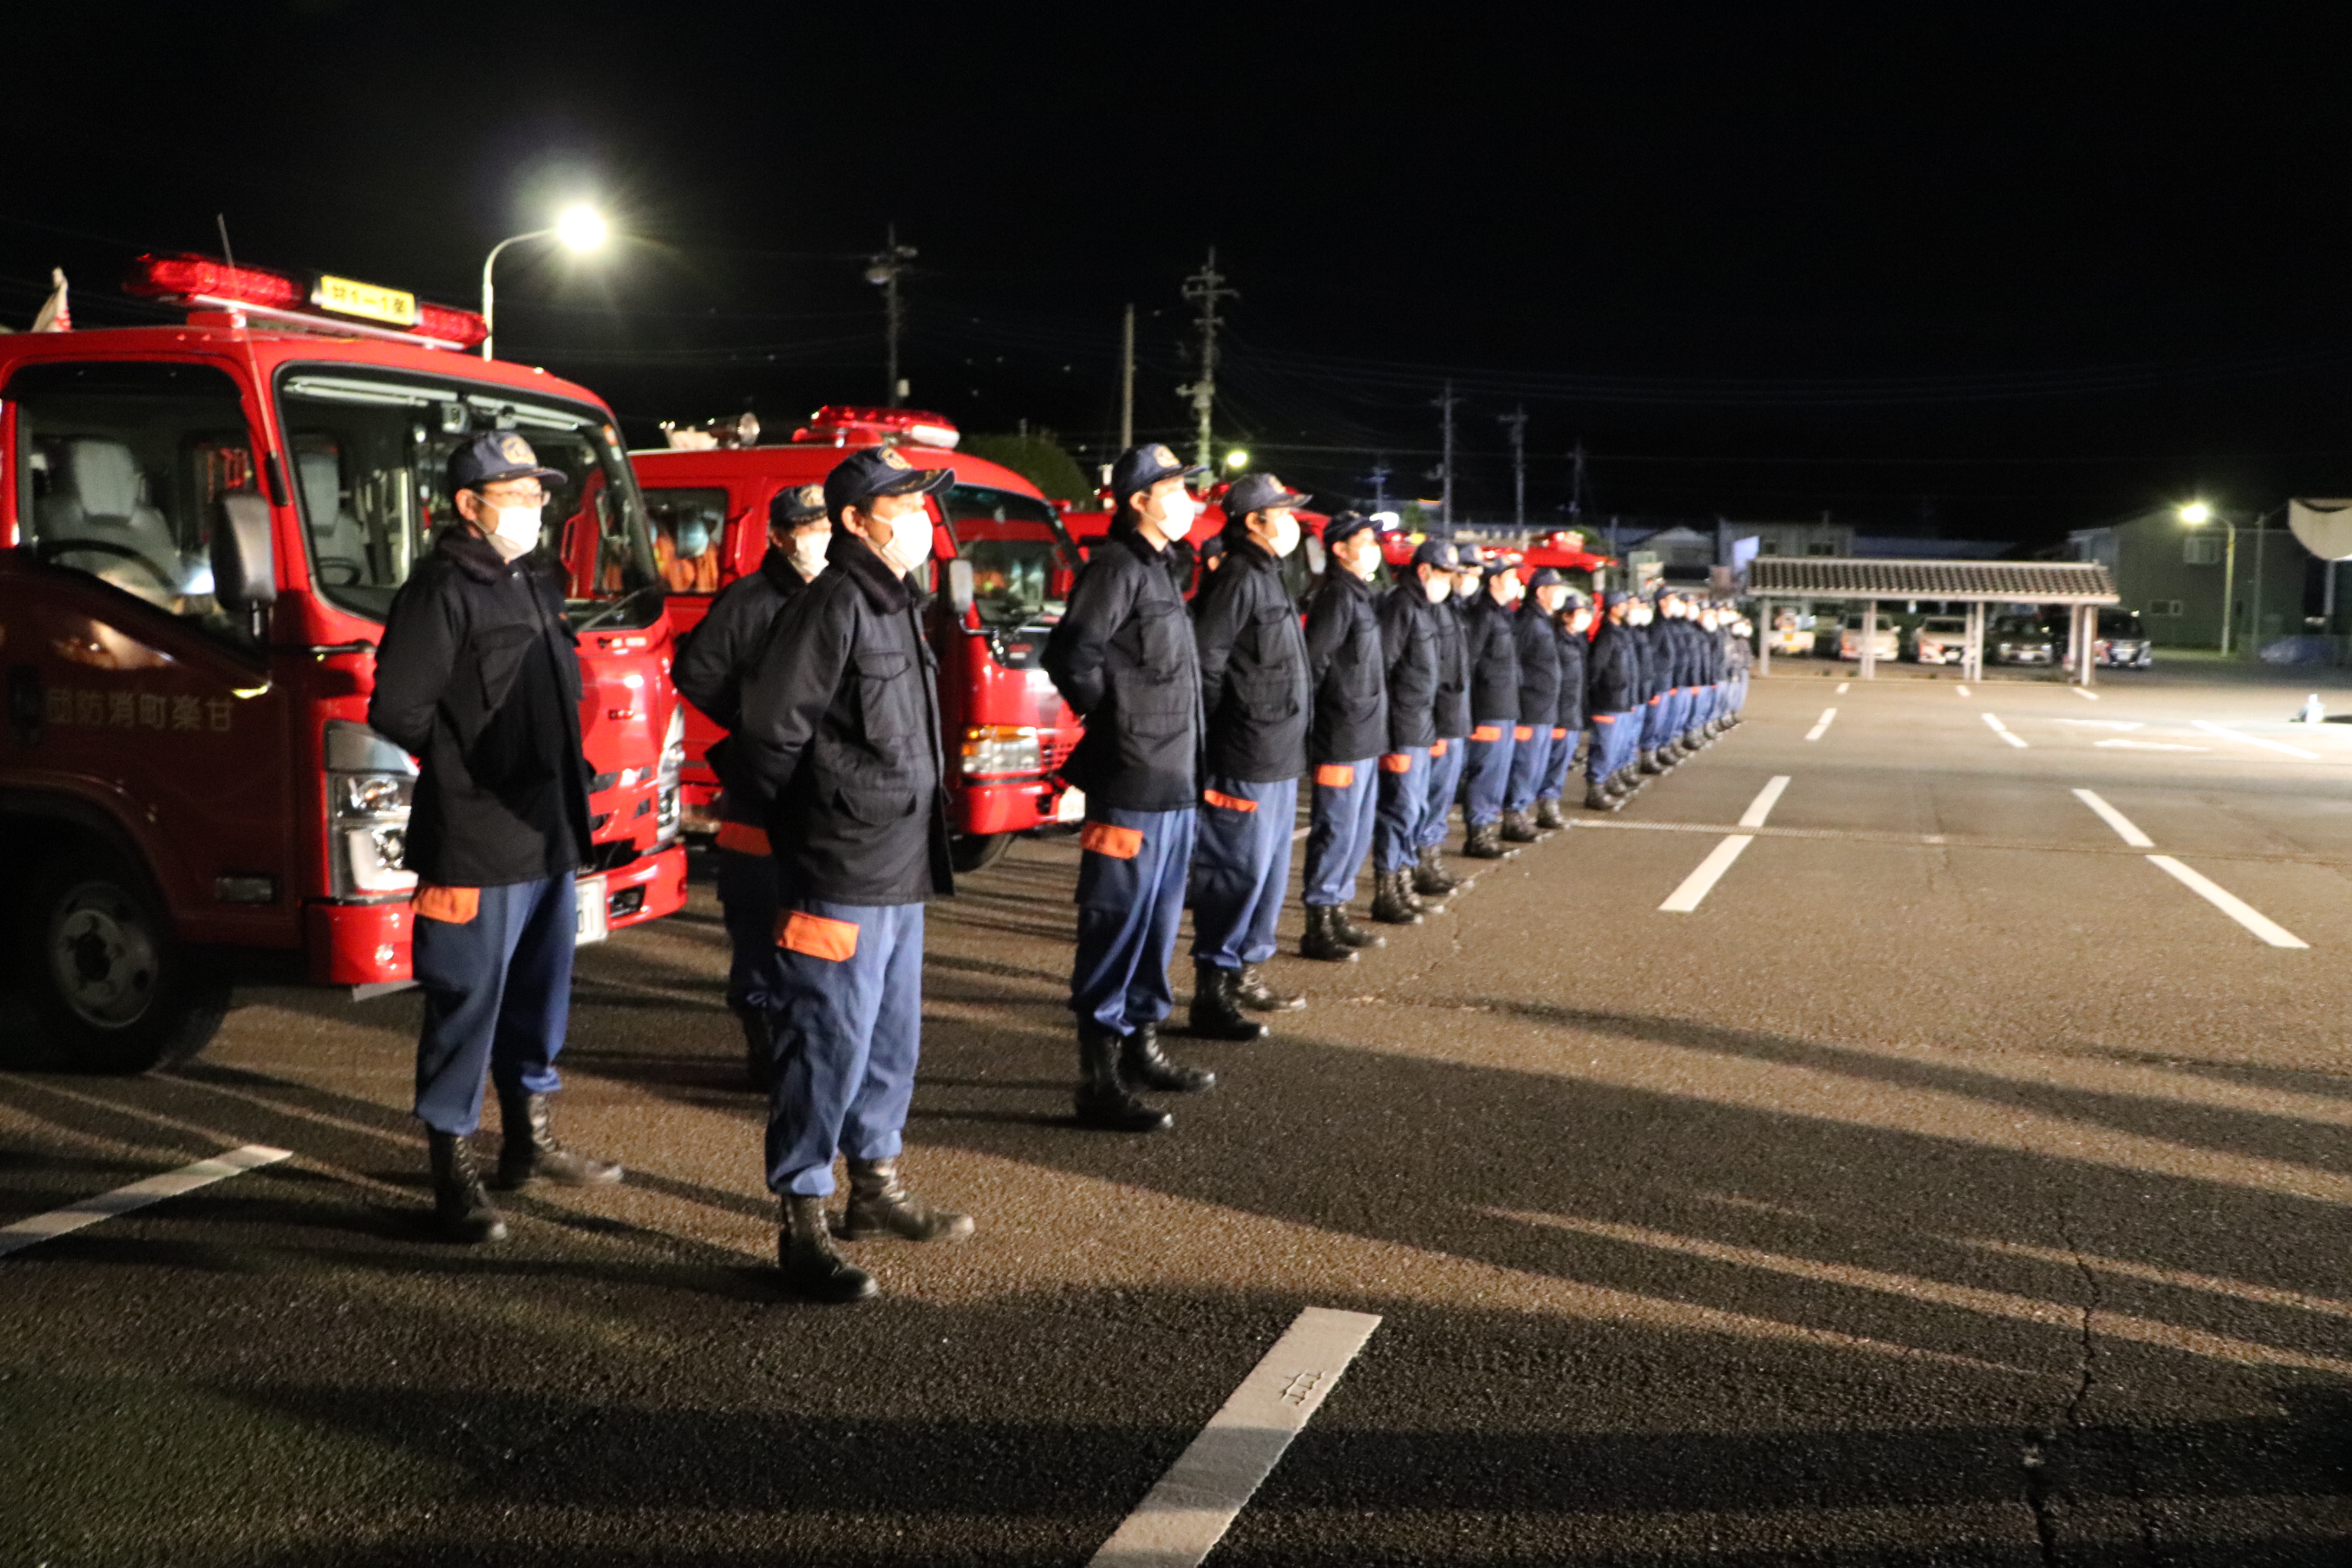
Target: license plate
column 1072, row 806
column 591, row 924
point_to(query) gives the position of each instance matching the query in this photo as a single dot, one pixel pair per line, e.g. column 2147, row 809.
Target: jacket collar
column 777, row 567
column 474, row 555
column 862, row 563
column 1133, row 539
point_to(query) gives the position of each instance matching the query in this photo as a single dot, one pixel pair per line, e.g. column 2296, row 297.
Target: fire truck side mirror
column 245, row 574
column 959, row 592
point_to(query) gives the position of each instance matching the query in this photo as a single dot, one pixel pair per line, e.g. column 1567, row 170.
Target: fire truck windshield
column 371, row 457
column 1012, row 543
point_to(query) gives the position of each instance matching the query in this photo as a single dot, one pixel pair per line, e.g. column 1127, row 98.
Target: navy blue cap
column 1434, row 553
column 1141, row 468
column 1576, row 600
column 1260, row 493
column 1213, row 545
column 1546, row 577
column 493, row 457
column 795, row 506
column 878, row 471
column 1345, row 526
column 1614, row 597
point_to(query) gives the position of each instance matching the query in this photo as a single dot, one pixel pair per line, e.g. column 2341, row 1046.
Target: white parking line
column 2229, row 903
column 1766, row 799
column 2002, row 731
column 2080, row 692
column 1701, row 882
column 1843, row 687
column 1963, row 690
column 2211, row 729
column 137, row 1196
column 1189, row 1510
column 2122, row 824
column 1815, row 732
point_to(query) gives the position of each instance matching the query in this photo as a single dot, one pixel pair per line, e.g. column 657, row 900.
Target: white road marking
column 1964, row 691
column 1701, row 882
column 2122, row 824
column 2229, row 903
column 2212, row 728
column 137, row 1196
column 2080, row 692
column 2105, row 723
column 1844, row 686
column 2002, row 731
column 2150, row 746
column 1766, row 799
column 1189, row 1510
column 1815, row 732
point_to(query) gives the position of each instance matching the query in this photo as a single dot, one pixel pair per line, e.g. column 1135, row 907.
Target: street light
column 580, row 228
column 2197, row 514
column 1237, row 459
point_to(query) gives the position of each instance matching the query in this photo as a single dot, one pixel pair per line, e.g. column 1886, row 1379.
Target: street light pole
column 489, row 320
column 582, row 228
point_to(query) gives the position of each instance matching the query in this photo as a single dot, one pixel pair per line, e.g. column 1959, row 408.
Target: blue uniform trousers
column 1490, row 771
column 849, row 1028
column 498, row 995
column 1556, row 762
column 747, row 899
column 1130, row 901
column 1444, row 782
column 1655, row 714
column 1530, row 760
column 1240, row 869
column 1404, row 796
column 1614, row 737
column 1339, row 831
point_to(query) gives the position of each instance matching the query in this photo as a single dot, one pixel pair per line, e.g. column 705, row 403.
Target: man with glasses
column 476, row 675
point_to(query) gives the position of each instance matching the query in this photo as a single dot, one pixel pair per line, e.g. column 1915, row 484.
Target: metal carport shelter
column 2081, row 585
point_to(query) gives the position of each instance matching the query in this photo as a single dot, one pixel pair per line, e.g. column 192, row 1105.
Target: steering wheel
column 50, row 549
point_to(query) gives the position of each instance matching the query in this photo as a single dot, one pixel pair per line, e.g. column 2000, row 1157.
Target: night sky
column 1986, row 271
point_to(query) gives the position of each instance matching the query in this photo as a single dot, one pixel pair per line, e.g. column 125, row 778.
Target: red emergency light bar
column 282, row 298
column 836, row 424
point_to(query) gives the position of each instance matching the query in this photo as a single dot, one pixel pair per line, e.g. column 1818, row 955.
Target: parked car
column 1791, row 633
column 1884, row 641
column 1941, row 639
column 2122, row 641
column 2020, row 639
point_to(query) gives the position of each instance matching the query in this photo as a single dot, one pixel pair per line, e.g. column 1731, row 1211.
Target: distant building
column 2172, row 574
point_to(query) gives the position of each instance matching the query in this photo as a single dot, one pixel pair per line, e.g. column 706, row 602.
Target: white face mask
column 1176, row 513
column 1286, row 534
column 808, row 554
column 514, row 531
column 1439, row 588
column 1367, row 563
column 910, row 542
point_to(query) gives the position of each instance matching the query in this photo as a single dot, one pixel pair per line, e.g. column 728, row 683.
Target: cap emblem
column 515, row 450
column 1165, row 458
column 890, row 457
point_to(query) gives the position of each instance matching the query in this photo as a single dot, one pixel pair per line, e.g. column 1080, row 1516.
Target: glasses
column 504, row 495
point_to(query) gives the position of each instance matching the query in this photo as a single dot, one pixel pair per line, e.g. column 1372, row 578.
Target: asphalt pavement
column 1955, row 1172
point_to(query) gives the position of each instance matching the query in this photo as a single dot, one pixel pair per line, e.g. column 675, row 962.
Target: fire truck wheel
column 114, row 988
column 974, row 851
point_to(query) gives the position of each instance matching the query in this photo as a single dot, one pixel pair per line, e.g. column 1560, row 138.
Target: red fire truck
column 202, row 528
column 1006, row 561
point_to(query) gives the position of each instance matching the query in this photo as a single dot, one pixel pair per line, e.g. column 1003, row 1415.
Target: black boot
column 1485, row 843
column 1216, row 1007
column 1548, row 816
column 1352, row 933
column 880, row 1206
column 758, row 1048
column 1432, row 879
column 1392, row 904
column 531, row 1153
column 1651, row 763
column 1103, row 1099
column 1323, row 940
column 1596, row 798
column 1253, row 992
column 461, row 1209
column 813, row 1270
column 1517, row 830
column 1142, row 1063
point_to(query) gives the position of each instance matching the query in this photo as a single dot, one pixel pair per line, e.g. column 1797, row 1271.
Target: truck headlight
column 995, row 749
column 667, row 815
column 371, row 785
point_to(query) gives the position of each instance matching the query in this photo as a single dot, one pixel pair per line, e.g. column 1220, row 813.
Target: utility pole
column 1576, row 495
column 1380, row 478
column 1204, row 289
column 1516, row 422
column 883, row 272
column 1127, row 383
column 1445, row 463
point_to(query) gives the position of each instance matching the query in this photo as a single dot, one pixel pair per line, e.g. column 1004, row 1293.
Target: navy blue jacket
column 1490, row 632
column 1535, row 633
column 1411, row 648
column 1122, row 656
column 1345, row 661
column 718, row 654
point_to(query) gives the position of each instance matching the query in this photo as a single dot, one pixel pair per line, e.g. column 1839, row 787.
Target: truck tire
column 114, row 988
column 977, row 851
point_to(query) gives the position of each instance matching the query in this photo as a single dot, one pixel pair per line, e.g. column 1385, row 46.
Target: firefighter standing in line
column 710, row 671
column 1535, row 631
column 1122, row 658
column 1572, row 623
column 1257, row 694
column 1613, row 689
column 840, row 737
column 1410, row 616
column 1491, row 642
column 1347, row 735
column 1450, row 751
column 477, row 676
